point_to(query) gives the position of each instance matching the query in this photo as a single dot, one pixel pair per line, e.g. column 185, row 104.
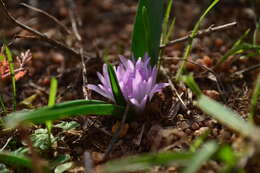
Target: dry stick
column 117, row 133
column 249, row 69
column 40, row 35
column 79, row 39
column 173, row 87
column 73, row 20
column 219, row 84
column 48, row 15
column 200, row 33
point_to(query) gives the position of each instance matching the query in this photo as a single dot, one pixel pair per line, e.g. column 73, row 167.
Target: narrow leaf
column 189, row 80
column 120, row 100
column 63, row 167
column 2, row 58
column 13, row 159
column 166, row 22
column 53, row 91
column 201, row 156
column 193, row 35
column 11, row 67
column 63, row 110
column 234, row 50
column 254, row 100
column 140, row 46
column 225, row 116
column 145, row 161
column 51, row 102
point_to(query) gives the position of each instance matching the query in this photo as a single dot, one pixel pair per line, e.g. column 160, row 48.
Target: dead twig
column 249, row 69
column 40, row 35
column 73, row 20
column 204, row 32
column 218, row 81
column 173, row 87
column 74, row 23
column 48, row 15
column 117, row 133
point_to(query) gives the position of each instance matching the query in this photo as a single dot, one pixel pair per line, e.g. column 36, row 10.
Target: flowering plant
column 137, row 81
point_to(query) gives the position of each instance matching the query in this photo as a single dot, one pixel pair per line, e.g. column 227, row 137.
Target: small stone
column 207, row 61
column 212, row 94
column 195, row 126
column 219, row 42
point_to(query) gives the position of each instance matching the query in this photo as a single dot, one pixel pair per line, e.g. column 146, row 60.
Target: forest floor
column 105, row 30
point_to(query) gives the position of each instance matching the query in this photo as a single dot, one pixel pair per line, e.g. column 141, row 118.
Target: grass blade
column 51, row 102
column 254, row 100
column 2, row 57
column 63, row 110
column 225, row 116
column 120, row 100
column 145, row 161
column 199, row 141
column 189, row 80
column 13, row 159
column 53, row 91
column 235, row 49
column 11, row 67
column 141, row 46
column 166, row 22
column 200, row 157
column 193, row 35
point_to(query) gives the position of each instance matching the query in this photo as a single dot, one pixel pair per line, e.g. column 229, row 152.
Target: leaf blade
column 141, row 46
column 119, row 98
column 63, row 110
column 225, row 115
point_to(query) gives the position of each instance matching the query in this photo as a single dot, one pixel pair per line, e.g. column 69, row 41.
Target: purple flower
column 137, row 80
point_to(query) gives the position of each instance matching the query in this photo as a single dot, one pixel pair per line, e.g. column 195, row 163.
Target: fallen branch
column 200, row 33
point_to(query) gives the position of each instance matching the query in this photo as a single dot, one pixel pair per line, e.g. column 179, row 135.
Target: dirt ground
column 105, row 29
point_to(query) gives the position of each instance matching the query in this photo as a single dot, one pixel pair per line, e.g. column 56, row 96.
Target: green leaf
column 140, row 46
column 42, row 139
column 254, row 100
column 200, row 157
column 199, row 141
column 53, row 91
column 63, row 167
column 11, row 67
column 28, row 101
column 189, row 80
column 225, row 116
column 17, row 160
column 236, row 48
column 3, row 168
column 227, row 155
column 119, row 98
column 145, row 161
column 166, row 22
column 193, row 35
column 2, row 57
column 67, row 125
column 51, row 102
column 63, row 110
